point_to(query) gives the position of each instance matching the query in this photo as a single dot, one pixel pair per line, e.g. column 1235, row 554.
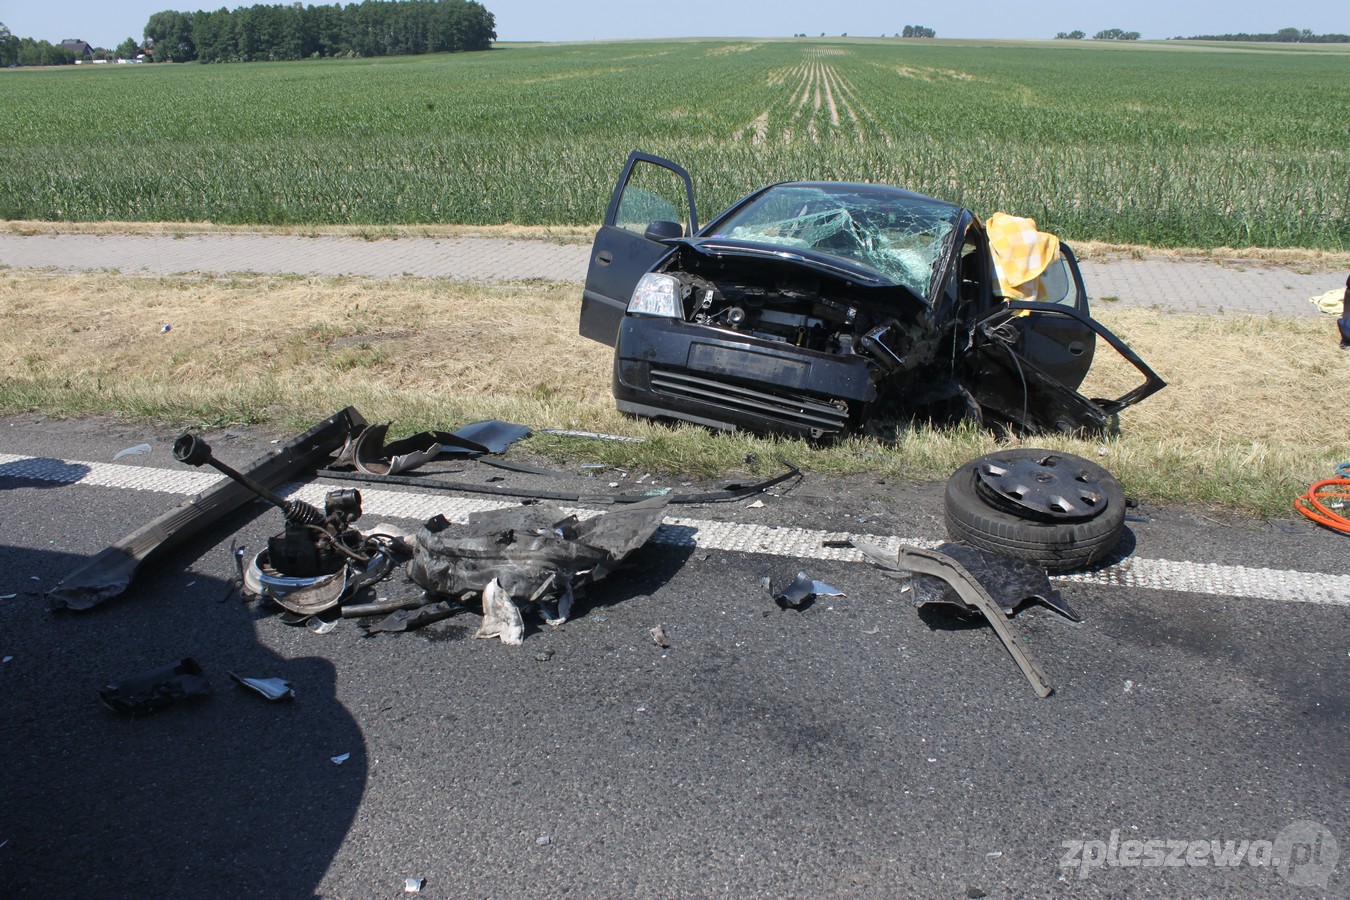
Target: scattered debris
column 8, row 596
column 1010, row 582
column 132, row 451
column 413, row 885
column 340, row 758
column 165, row 328
column 543, row 839
column 157, row 688
column 801, row 594
column 659, row 637
column 545, row 655
column 873, row 630
column 271, row 688
column 1129, row 686
column 731, row 491
column 535, row 553
column 758, row 504
column 110, row 571
column 501, row 616
column 994, row 854
column 412, row 619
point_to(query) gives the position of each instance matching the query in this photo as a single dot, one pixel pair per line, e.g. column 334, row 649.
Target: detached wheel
column 1055, row 509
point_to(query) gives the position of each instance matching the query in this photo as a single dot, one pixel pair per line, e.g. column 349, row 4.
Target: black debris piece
column 731, row 491
column 533, row 551
column 157, row 688
column 401, row 620
column 801, row 594
column 1010, row 582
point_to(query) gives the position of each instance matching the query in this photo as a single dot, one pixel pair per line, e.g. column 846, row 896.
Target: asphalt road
column 854, row 749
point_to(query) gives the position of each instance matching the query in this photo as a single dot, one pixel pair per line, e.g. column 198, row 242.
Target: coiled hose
column 1323, row 501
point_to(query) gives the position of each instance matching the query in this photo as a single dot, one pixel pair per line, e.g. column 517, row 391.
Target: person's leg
column 1344, row 321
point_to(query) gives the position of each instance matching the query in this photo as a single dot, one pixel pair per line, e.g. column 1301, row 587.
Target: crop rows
column 1142, row 146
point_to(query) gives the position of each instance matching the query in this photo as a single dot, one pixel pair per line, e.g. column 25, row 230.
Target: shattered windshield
column 900, row 237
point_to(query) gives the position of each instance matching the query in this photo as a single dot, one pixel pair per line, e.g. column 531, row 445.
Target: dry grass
column 1249, row 418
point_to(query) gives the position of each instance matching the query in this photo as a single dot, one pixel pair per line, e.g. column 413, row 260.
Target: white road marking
column 801, row 543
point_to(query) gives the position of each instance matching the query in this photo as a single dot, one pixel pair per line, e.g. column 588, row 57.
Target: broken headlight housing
column 657, row 295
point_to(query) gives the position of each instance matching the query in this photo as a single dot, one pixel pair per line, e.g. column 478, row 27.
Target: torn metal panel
column 157, row 688
column 973, row 593
column 370, row 456
column 272, row 688
column 1010, row 582
column 801, row 594
column 531, row 551
column 110, row 571
column 732, row 491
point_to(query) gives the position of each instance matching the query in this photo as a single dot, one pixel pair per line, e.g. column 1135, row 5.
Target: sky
column 106, row 23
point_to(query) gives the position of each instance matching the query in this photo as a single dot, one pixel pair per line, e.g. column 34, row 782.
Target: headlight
column 657, row 295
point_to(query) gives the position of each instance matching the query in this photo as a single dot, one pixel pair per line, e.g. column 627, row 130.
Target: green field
column 1165, row 146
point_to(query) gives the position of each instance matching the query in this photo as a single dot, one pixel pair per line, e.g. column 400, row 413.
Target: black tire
column 1058, row 546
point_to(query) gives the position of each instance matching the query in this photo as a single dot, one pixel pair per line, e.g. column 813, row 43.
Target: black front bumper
column 725, row 379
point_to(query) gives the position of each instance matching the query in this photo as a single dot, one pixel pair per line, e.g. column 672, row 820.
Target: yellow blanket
column 1330, row 302
column 1021, row 254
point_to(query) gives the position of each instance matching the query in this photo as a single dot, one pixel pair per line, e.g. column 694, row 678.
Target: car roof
column 898, row 193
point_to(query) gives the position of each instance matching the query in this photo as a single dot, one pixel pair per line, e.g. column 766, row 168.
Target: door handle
column 604, row 257
column 1077, row 348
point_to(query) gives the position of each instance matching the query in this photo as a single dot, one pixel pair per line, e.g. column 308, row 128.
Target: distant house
column 81, row 49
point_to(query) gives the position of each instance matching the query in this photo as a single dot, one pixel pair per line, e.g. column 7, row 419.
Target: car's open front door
column 1028, row 359
column 1061, row 346
column 653, row 200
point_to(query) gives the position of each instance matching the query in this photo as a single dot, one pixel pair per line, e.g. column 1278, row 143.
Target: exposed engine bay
column 887, row 326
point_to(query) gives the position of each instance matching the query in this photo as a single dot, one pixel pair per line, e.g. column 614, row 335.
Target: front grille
column 819, row 416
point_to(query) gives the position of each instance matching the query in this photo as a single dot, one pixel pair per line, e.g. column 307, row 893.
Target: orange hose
column 1313, row 506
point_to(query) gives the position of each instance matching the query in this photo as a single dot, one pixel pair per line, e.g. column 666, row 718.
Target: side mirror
column 664, row 231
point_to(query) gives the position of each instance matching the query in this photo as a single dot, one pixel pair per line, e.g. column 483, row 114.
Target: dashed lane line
column 801, row 543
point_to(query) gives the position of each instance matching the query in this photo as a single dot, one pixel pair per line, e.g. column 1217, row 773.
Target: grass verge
column 1247, row 421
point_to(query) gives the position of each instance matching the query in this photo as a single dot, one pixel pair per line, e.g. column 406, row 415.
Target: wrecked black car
column 813, row 308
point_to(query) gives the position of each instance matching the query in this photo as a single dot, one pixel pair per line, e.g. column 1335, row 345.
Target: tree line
column 17, row 51
column 369, row 28
column 1284, row 35
column 1106, row 34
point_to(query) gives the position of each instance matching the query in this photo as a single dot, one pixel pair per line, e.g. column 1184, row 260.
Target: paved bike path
column 1178, row 285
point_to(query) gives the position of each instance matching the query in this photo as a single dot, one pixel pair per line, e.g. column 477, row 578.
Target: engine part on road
column 111, row 570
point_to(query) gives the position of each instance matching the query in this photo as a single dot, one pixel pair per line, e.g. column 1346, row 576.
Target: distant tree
column 9, row 48
column 170, row 33
column 1070, row 36
column 127, row 49
column 1115, row 34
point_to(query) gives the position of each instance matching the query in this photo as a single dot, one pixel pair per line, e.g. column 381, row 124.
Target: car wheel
column 1057, row 510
